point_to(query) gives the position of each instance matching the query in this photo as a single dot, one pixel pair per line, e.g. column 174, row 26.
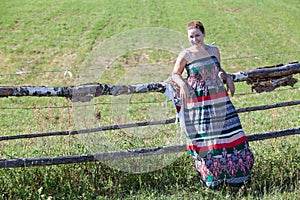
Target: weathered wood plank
column 132, row 125
column 81, row 93
column 267, row 72
column 103, row 156
column 263, row 79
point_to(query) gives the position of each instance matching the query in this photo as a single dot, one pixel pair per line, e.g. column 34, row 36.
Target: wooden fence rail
column 262, row 79
column 103, row 156
column 137, row 124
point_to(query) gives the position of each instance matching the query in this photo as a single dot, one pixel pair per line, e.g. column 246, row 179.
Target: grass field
column 42, row 39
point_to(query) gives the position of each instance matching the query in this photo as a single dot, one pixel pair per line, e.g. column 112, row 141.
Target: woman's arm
column 177, row 77
column 223, row 75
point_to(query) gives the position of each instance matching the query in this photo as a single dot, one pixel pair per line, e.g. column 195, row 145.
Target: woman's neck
column 200, row 48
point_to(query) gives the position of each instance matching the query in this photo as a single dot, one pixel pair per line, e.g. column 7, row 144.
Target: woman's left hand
column 230, row 85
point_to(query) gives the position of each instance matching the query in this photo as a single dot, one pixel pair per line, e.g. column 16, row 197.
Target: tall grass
column 47, row 36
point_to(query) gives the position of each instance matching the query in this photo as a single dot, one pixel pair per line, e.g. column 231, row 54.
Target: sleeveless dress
column 215, row 138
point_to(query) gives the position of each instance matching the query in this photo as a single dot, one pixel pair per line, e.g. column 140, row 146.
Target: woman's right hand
column 184, row 87
column 184, row 94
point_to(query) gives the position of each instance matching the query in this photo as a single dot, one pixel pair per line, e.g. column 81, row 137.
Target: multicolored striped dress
column 215, row 138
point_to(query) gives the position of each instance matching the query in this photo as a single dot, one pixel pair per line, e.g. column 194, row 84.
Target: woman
column 215, row 138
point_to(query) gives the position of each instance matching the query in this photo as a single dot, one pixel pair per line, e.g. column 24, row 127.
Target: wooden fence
column 263, row 79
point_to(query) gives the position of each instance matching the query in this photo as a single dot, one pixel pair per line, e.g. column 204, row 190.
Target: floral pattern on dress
column 230, row 164
column 200, row 80
column 197, row 82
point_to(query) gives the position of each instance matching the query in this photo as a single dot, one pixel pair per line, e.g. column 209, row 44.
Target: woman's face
column 196, row 37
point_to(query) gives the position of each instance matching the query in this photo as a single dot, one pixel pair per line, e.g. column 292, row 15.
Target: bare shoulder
column 186, row 54
column 215, row 51
column 179, row 65
column 216, row 48
column 213, row 48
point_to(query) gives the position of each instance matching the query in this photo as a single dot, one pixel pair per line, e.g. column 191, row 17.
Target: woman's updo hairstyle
column 195, row 24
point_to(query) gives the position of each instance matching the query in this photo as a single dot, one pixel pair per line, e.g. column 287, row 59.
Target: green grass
column 40, row 36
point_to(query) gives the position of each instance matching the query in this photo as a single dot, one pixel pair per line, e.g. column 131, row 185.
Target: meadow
column 62, row 43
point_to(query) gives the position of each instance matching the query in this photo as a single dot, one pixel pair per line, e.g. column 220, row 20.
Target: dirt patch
column 66, row 60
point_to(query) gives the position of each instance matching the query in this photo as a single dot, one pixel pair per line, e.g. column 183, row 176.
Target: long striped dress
column 215, row 138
